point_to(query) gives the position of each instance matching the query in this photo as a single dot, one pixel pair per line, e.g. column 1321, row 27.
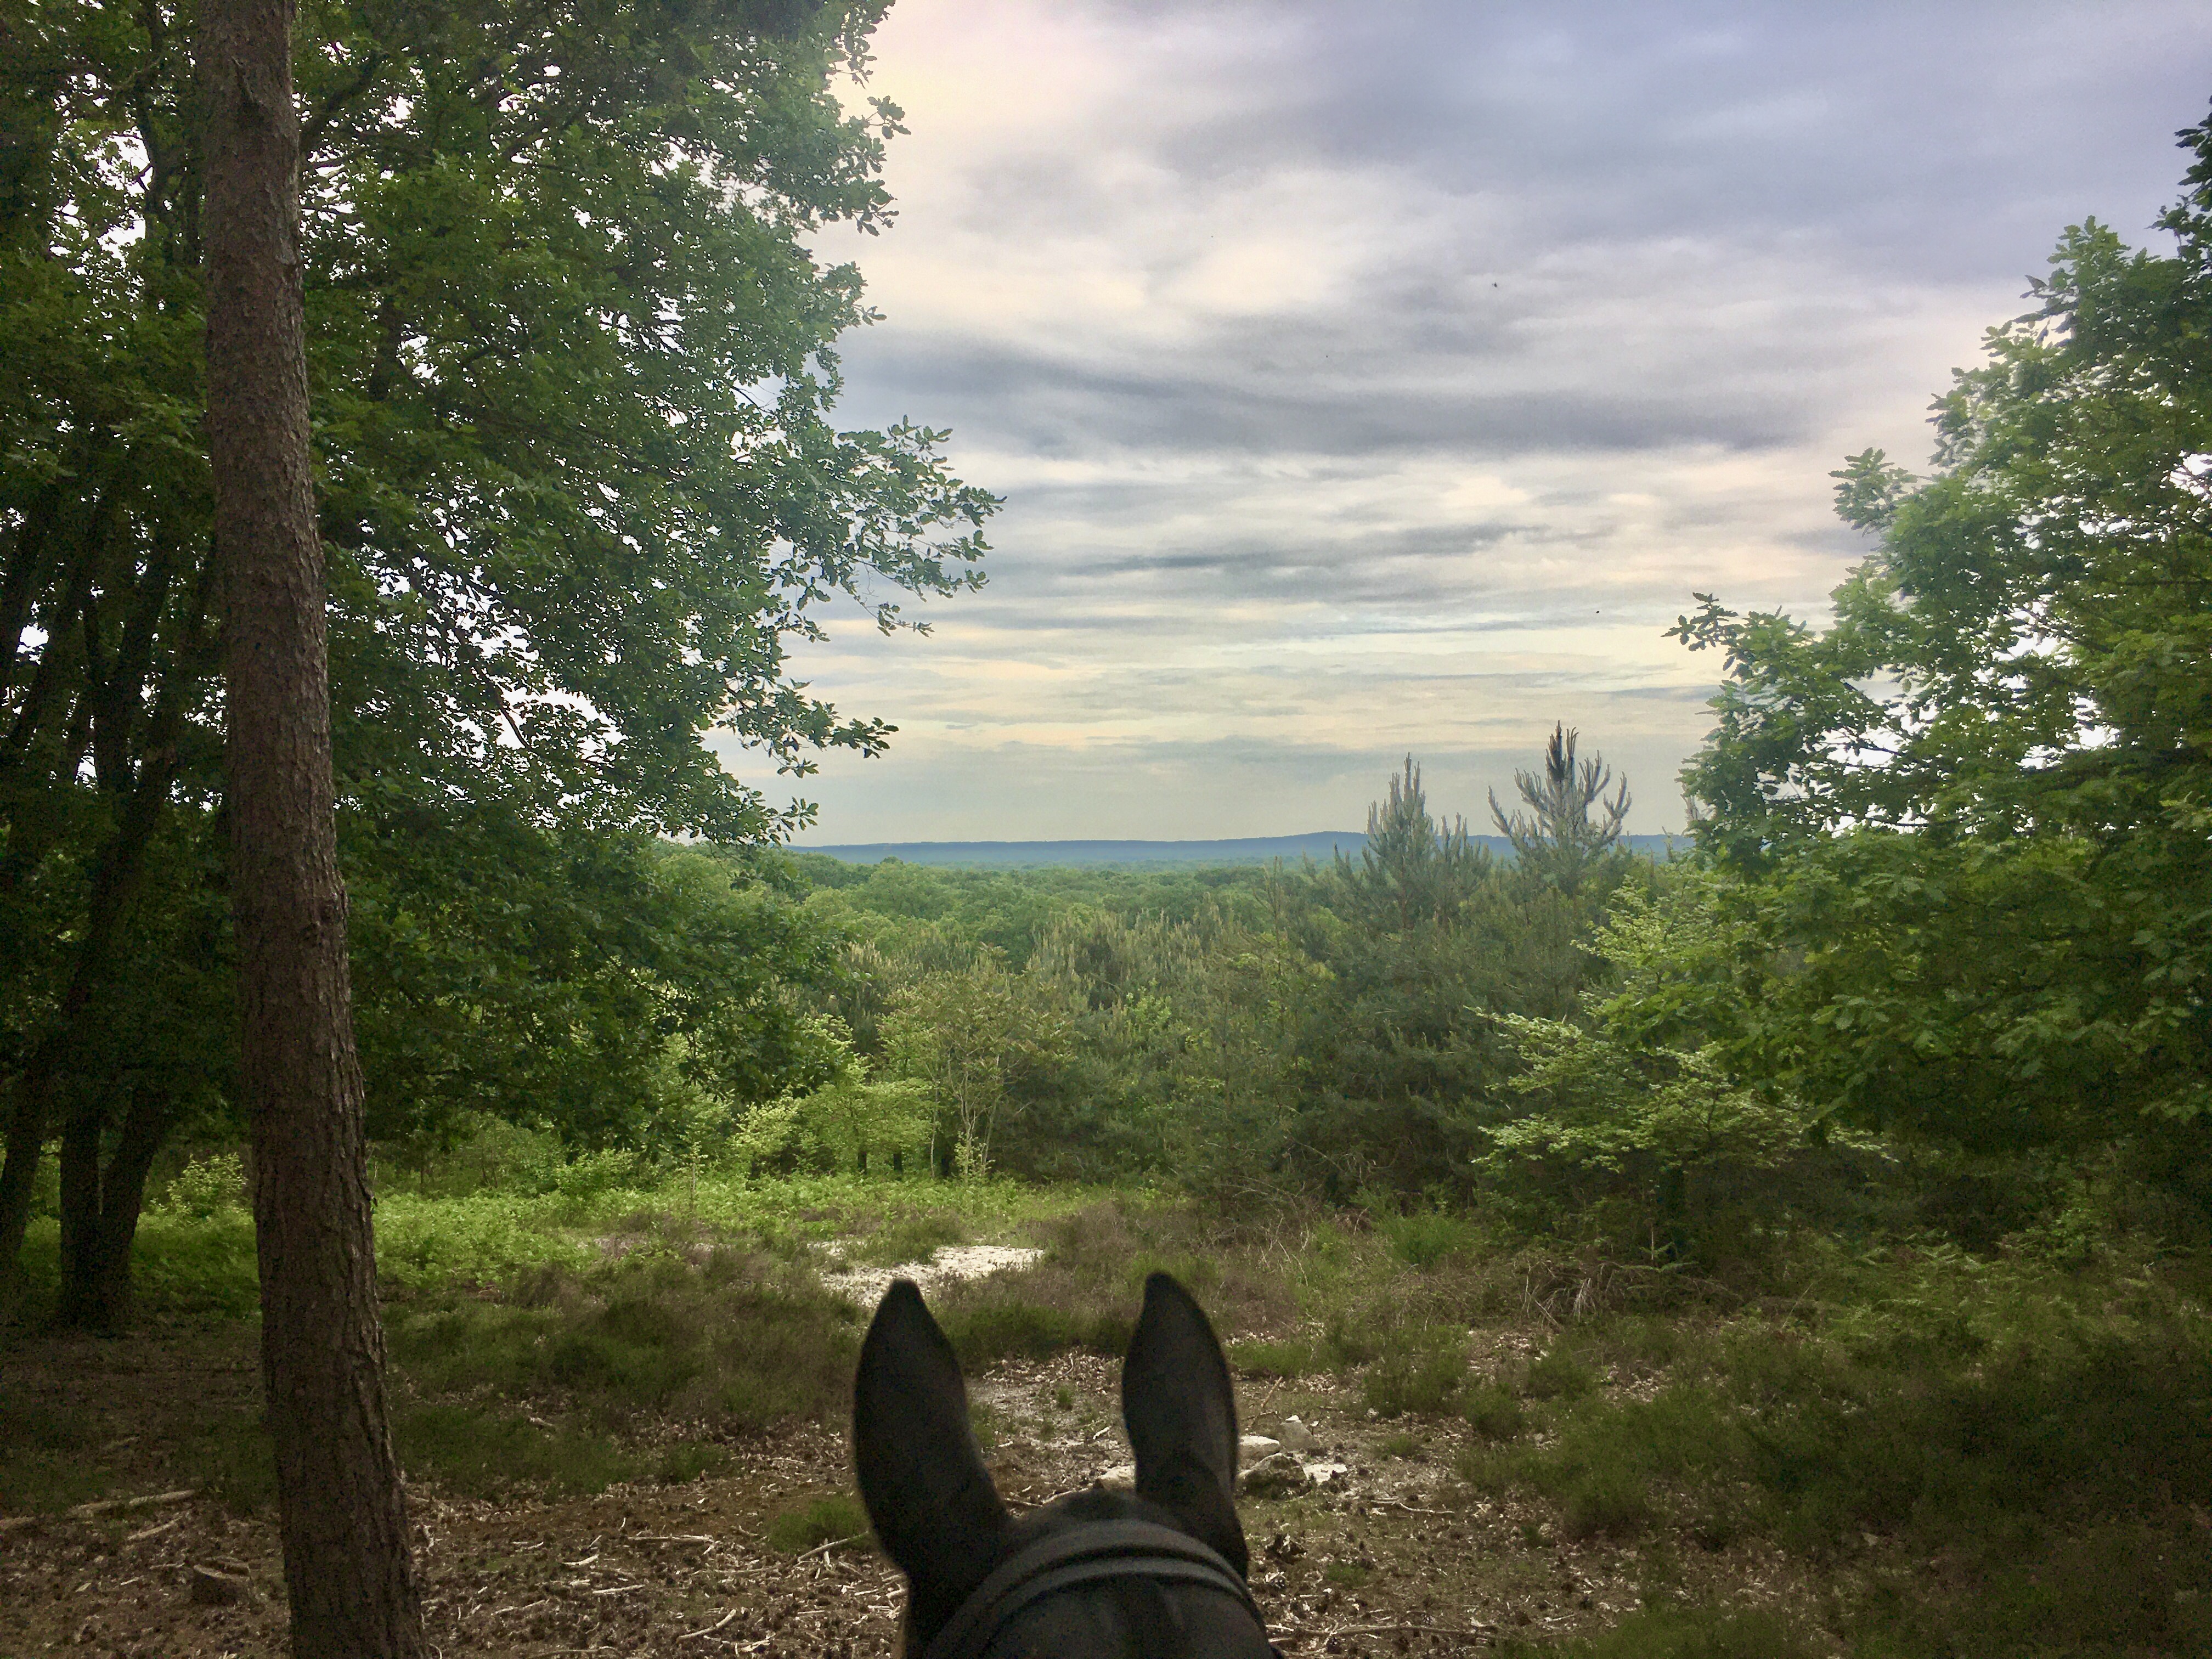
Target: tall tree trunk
column 346, row 1564
column 98, row 1230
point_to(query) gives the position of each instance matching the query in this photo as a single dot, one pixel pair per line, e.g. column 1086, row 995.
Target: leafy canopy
column 1979, row 804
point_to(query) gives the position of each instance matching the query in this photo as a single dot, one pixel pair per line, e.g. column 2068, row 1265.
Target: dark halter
column 1085, row 1554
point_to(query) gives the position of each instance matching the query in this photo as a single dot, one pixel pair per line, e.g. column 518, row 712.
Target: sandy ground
column 866, row 1286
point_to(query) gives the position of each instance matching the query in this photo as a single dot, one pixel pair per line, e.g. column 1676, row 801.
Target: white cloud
column 1362, row 382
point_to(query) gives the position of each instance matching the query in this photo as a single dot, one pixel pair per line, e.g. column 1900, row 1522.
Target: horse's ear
column 1181, row 1417
column 929, row 1497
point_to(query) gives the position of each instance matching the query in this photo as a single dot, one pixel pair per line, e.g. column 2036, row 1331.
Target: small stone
column 1257, row 1446
column 1279, row 1476
column 1122, row 1475
column 209, row 1588
column 1296, row 1435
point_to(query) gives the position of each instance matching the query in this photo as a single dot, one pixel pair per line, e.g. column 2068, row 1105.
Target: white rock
column 1295, row 1434
column 1257, row 1446
column 1122, row 1475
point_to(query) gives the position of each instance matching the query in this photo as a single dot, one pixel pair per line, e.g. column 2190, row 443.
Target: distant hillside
column 1258, row 849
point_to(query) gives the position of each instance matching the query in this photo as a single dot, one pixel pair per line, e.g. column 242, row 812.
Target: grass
column 1429, row 1237
column 1492, row 1411
column 1262, row 1357
column 1418, row 1372
column 838, row 1520
column 1086, row 1293
column 914, row 1237
column 43, row 1467
column 1558, row 1373
column 2046, row 1440
column 737, row 1342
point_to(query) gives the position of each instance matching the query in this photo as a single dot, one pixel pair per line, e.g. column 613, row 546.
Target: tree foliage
column 1558, row 839
column 1973, row 815
column 571, row 351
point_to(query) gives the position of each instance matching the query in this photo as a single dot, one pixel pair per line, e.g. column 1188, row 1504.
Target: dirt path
column 1387, row 1560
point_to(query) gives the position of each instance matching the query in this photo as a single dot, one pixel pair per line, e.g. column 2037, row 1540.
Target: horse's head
column 1155, row 1573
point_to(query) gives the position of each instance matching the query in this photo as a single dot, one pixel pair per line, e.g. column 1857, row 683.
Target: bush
column 912, row 1238
column 1558, row 1374
column 205, row 1189
column 1428, row 1237
column 1262, row 1358
column 483, row 1453
column 833, row 1521
column 1415, row 1374
column 740, row 1342
column 1608, row 1503
column 988, row 1328
column 1491, row 1410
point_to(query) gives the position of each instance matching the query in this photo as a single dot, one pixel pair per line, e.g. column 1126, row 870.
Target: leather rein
column 1089, row 1554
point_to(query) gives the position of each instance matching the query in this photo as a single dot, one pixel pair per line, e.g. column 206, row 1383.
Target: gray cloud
column 1362, row 381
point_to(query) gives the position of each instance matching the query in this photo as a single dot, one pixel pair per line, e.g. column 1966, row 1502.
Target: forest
column 1797, row 1245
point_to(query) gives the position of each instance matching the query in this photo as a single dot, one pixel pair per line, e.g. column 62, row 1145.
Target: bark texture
column 346, row 1562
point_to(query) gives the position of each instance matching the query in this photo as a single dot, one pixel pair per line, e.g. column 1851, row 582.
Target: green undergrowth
column 183, row 1267
column 43, row 1465
column 908, row 1234
column 732, row 1341
column 482, row 1451
column 2008, row 1460
column 428, row 1238
column 837, row 1522
column 1086, row 1291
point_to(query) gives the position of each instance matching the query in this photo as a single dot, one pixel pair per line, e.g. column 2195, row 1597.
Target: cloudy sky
column 1368, row 379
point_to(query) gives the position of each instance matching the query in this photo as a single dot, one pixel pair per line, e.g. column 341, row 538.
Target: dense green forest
column 1837, row 1195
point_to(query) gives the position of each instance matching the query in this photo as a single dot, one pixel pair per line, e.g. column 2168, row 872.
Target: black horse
column 1156, row 1574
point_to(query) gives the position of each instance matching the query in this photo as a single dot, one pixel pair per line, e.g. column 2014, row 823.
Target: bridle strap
column 1085, row 1554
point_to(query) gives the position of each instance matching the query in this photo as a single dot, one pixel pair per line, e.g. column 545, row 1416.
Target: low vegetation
column 1958, row 1455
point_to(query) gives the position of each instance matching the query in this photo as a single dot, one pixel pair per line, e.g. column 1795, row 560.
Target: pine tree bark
column 346, row 1563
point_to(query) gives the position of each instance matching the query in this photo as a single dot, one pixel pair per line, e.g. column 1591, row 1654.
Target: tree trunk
column 346, row 1564
column 19, row 1174
column 99, row 1228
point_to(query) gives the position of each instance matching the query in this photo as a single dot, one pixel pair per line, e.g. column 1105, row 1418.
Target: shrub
column 912, row 1238
column 833, row 1520
column 1491, row 1410
column 1558, row 1374
column 205, row 1189
column 1415, row 1376
column 482, row 1454
column 741, row 1341
column 1608, row 1504
column 987, row 1329
column 1262, row 1357
column 1424, row 1239
column 1685, row 1633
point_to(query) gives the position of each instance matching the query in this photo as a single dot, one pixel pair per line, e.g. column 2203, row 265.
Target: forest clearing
column 623, row 1420
column 454, row 1141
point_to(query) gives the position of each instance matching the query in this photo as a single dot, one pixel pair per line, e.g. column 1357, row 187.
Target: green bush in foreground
column 1492, row 1411
column 1417, row 1373
column 833, row 1521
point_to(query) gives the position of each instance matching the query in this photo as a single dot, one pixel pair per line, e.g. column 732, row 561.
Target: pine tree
column 1413, row 868
column 1557, row 839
